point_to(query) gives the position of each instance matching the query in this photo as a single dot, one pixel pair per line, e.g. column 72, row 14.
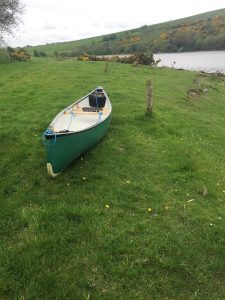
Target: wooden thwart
column 92, row 111
column 80, row 112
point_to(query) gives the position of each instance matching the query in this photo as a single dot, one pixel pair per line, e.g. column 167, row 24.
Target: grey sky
column 58, row 21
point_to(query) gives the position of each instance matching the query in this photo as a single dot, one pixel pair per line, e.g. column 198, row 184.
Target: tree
column 10, row 12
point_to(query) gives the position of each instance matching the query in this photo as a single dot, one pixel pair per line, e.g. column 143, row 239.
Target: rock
column 193, row 92
column 204, row 191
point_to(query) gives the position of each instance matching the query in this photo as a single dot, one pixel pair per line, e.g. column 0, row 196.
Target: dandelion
column 149, row 209
column 128, row 182
column 224, row 192
column 107, row 206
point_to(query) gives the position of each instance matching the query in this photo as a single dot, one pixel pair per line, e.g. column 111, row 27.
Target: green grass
column 58, row 240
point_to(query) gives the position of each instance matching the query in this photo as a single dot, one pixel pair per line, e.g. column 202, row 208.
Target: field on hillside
column 141, row 215
column 205, row 31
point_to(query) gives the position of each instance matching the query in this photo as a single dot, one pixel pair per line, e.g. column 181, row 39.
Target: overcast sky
column 48, row 21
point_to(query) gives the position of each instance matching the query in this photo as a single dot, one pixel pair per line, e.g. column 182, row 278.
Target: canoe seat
column 91, row 109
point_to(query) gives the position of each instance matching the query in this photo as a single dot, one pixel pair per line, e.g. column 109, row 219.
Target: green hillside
column 141, row 215
column 200, row 32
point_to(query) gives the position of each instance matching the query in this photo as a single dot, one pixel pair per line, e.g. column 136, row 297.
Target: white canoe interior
column 77, row 116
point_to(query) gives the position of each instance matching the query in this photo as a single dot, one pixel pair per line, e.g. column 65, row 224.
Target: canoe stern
column 62, row 149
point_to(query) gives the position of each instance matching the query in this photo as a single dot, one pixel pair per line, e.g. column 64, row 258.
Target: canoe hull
column 65, row 148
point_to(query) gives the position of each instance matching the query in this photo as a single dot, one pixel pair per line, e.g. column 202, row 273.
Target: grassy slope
column 147, row 34
column 59, row 241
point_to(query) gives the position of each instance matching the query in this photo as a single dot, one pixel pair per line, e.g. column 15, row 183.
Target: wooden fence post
column 106, row 66
column 149, row 96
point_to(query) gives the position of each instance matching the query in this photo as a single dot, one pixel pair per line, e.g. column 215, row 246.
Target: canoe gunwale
column 57, row 134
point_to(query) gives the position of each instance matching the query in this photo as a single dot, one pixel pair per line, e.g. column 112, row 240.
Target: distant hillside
column 200, row 32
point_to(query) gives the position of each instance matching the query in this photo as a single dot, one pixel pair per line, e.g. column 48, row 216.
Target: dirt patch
column 194, row 92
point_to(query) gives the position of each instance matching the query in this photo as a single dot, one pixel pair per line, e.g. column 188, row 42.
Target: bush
column 39, row 53
column 36, row 53
column 4, row 56
column 84, row 57
column 55, row 53
column 144, row 59
column 137, row 58
column 109, row 37
column 43, row 54
column 19, row 55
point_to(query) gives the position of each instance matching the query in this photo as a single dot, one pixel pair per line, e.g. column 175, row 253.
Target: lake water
column 207, row 61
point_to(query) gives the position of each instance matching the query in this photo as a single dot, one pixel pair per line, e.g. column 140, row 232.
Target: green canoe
column 75, row 129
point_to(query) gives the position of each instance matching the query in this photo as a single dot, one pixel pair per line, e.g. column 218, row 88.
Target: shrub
column 39, row 53
column 55, row 53
column 84, row 57
column 137, row 58
column 19, row 55
column 36, row 53
column 42, row 54
column 4, row 56
column 109, row 37
column 64, row 54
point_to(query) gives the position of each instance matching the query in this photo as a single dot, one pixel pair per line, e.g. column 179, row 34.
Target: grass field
column 141, row 215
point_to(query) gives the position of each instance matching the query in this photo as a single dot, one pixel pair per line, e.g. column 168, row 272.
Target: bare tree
column 10, row 12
